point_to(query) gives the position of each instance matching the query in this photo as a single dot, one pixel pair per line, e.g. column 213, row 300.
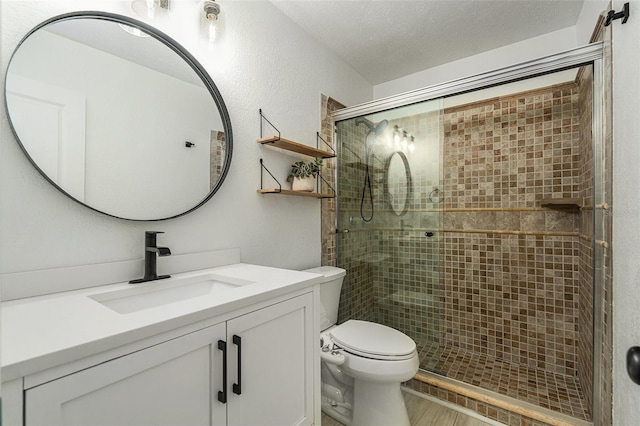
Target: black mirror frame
column 182, row 53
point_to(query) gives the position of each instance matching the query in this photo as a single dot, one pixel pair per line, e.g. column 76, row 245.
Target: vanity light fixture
column 150, row 8
column 212, row 16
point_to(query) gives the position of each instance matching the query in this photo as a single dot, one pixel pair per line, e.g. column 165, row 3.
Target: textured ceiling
column 387, row 39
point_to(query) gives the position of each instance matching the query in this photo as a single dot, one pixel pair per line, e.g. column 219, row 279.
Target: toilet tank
column 329, row 293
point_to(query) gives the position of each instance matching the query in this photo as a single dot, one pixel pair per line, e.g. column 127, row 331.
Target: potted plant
column 303, row 175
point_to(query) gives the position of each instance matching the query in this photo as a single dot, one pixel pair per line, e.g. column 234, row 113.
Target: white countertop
column 41, row 332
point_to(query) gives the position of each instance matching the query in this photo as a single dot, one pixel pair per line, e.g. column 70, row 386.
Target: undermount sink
column 158, row 293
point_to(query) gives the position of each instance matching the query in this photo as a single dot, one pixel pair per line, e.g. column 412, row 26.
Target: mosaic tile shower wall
column 510, row 265
column 216, row 156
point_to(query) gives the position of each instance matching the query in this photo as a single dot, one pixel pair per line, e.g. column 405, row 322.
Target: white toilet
column 363, row 363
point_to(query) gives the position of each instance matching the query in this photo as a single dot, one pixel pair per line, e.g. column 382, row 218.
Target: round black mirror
column 118, row 116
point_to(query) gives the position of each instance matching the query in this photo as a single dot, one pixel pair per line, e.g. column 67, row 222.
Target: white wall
column 533, row 48
column 494, row 59
column 591, row 9
column 626, row 211
column 263, row 61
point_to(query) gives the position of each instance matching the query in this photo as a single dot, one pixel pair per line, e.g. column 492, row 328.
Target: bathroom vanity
column 230, row 345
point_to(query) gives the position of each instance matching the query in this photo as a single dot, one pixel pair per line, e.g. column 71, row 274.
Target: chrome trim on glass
column 545, row 65
column 599, row 234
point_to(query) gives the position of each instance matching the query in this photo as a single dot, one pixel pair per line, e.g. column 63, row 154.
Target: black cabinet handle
column 237, row 387
column 222, row 395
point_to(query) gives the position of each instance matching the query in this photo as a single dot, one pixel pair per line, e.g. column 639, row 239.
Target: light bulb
column 213, row 32
column 212, row 15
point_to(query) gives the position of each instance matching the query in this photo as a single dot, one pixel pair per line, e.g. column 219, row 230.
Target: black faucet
column 150, row 259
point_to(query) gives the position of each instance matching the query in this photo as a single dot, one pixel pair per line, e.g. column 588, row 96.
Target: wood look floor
column 425, row 413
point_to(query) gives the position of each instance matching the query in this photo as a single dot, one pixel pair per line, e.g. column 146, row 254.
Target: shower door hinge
column 612, row 15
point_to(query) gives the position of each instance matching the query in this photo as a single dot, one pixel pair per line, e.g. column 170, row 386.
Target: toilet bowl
column 362, row 363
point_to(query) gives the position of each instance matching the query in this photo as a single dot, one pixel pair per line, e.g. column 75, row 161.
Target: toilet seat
column 371, row 340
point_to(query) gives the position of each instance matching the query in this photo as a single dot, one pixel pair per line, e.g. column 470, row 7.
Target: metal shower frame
column 591, row 54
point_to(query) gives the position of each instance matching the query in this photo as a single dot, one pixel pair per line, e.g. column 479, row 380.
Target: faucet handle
column 152, row 233
column 150, row 238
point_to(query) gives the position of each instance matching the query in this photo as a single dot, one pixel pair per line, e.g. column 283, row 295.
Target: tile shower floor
column 556, row 392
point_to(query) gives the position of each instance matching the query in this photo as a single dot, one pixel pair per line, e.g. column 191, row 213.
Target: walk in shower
column 466, row 221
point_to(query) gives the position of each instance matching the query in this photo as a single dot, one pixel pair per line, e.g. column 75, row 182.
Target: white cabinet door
column 272, row 351
column 173, row 383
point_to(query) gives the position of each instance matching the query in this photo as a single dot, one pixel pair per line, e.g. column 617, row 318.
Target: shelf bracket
column 262, row 169
column 262, row 120
column 326, row 183
column 320, row 138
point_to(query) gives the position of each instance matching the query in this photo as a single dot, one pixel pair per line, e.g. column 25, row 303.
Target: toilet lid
column 374, row 339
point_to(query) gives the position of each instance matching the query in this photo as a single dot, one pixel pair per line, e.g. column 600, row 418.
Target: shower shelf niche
column 561, row 203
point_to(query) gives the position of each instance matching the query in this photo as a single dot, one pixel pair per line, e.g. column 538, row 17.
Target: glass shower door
column 389, row 221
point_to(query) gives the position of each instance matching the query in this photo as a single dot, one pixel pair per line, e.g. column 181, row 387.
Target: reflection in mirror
column 398, row 183
column 216, row 157
column 130, row 126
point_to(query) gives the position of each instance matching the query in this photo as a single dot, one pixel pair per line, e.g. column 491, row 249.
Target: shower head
column 377, row 128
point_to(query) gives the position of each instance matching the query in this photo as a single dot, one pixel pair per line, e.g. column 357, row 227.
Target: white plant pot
column 307, row 184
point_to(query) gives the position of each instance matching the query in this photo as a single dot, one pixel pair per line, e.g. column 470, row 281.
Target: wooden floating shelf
column 298, row 193
column 561, row 203
column 295, row 147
